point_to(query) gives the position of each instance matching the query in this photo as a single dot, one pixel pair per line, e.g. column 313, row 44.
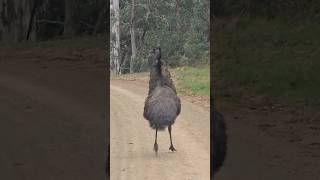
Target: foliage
column 268, row 57
column 179, row 27
column 291, row 10
column 50, row 18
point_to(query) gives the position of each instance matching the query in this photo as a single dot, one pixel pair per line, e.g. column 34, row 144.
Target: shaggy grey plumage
column 162, row 105
column 219, row 137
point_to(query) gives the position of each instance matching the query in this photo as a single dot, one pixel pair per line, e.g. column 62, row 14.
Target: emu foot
column 172, row 148
column 155, row 147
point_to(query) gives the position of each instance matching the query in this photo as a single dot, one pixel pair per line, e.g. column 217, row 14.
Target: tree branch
column 50, row 22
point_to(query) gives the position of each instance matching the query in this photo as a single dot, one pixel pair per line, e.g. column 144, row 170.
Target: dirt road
column 52, row 120
column 132, row 155
column 52, row 129
column 262, row 153
column 253, row 154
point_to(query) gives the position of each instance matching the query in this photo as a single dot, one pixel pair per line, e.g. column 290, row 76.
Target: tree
column 16, row 20
column 115, row 42
column 102, row 15
column 71, row 19
column 133, row 38
column 181, row 27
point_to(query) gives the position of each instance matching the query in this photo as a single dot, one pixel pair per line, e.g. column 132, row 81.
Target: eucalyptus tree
column 115, row 37
column 181, row 28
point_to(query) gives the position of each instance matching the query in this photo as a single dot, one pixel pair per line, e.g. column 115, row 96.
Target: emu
column 219, row 137
column 162, row 105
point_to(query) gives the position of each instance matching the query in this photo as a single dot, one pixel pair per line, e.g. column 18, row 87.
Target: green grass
column 188, row 80
column 194, row 80
column 268, row 57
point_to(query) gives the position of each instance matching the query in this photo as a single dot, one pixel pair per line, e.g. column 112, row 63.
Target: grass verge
column 193, row 80
column 188, row 80
column 267, row 57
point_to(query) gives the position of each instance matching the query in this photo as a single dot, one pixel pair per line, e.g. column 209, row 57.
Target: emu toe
column 155, row 147
column 171, row 148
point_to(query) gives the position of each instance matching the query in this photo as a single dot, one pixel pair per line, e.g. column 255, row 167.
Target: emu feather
column 162, row 105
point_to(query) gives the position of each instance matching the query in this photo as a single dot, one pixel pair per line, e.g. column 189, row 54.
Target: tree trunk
column 101, row 18
column 178, row 15
column 133, row 39
column 116, row 31
column 207, row 4
column 15, row 20
column 71, row 23
column 32, row 19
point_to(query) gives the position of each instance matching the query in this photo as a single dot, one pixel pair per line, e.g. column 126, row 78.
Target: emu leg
column 171, row 146
column 155, row 147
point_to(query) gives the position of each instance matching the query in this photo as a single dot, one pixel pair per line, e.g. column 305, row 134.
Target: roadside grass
column 188, row 80
column 193, row 80
column 267, row 57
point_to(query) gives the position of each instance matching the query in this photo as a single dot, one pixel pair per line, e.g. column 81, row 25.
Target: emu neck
column 156, row 78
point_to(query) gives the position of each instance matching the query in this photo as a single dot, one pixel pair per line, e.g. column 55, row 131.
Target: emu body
column 162, row 105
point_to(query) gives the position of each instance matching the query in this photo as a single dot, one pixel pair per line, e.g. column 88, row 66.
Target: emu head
column 155, row 57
